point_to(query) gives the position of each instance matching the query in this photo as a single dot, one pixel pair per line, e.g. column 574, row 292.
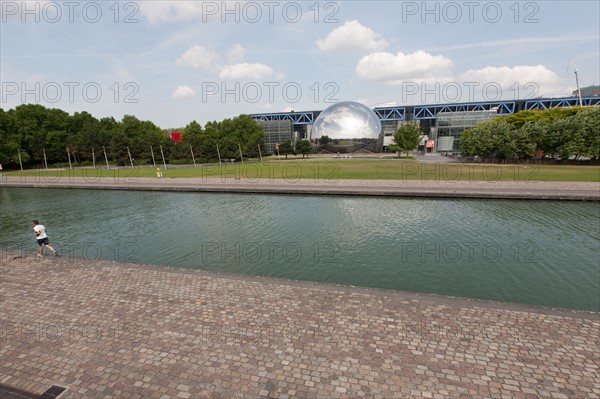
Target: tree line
column 556, row 133
column 32, row 130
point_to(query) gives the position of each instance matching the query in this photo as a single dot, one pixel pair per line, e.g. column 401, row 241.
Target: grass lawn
column 403, row 169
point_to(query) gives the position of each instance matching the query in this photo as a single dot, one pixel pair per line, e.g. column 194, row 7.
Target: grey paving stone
column 104, row 329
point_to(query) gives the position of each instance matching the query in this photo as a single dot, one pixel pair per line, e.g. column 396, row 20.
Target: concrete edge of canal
column 560, row 191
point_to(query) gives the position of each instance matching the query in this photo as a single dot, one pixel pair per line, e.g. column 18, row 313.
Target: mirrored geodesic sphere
column 347, row 126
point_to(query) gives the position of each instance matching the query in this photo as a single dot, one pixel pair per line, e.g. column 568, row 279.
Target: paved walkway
column 109, row 330
column 397, row 188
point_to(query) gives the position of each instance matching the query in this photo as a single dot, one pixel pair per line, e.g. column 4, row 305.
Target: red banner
column 176, row 137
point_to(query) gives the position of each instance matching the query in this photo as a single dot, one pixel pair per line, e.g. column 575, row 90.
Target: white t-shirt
column 40, row 229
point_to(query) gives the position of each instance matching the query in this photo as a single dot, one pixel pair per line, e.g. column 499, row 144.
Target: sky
column 172, row 62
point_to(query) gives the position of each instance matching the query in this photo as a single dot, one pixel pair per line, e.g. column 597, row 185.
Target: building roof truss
column 391, row 113
column 297, row 118
column 560, row 102
column 431, row 111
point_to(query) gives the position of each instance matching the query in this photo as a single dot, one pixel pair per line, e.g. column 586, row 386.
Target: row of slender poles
column 131, row 159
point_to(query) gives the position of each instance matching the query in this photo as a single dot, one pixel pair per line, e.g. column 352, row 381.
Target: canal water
column 536, row 252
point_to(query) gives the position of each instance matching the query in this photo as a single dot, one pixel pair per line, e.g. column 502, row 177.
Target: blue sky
column 175, row 61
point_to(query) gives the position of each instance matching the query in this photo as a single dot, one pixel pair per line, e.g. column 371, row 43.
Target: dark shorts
column 43, row 241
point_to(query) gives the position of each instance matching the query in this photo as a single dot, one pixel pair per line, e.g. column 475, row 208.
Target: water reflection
column 523, row 251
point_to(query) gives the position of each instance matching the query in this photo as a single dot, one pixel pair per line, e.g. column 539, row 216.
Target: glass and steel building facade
column 436, row 120
column 389, row 128
column 276, row 132
column 452, row 124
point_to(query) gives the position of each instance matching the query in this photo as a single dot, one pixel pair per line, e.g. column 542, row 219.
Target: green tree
column 574, row 143
column 503, row 140
column 286, row 148
column 555, row 132
column 10, row 139
column 228, row 146
column 56, row 150
column 29, row 119
column 248, row 133
column 407, row 138
column 545, row 116
column 138, row 135
column 555, row 138
column 303, row 147
column 478, row 140
column 209, row 141
column 191, row 135
column 229, row 134
column 589, row 121
column 117, row 148
column 535, row 132
column 86, row 133
column 324, row 140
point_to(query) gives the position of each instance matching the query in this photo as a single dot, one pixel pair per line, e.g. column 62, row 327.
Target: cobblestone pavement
column 108, row 330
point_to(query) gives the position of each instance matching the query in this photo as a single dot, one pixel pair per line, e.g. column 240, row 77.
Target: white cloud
column 248, row 71
column 395, row 69
column 540, row 80
column 351, row 36
column 184, row 92
column 198, row 57
column 236, row 53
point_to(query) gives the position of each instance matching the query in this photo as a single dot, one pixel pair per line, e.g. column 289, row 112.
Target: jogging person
column 42, row 239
